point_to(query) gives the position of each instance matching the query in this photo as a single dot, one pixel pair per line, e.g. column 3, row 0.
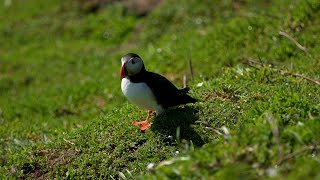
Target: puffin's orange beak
column 122, row 73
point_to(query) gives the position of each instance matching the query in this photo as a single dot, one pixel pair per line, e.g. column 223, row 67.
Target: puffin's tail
column 184, row 97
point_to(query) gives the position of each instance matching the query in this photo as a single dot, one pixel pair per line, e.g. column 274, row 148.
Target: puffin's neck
column 139, row 77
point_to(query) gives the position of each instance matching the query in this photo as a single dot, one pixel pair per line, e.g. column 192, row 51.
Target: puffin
column 148, row 90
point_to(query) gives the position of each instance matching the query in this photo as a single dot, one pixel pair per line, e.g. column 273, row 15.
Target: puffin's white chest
column 140, row 94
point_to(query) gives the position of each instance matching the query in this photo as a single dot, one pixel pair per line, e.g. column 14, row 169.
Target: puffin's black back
column 165, row 92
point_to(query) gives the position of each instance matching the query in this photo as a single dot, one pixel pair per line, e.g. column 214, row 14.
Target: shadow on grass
column 183, row 117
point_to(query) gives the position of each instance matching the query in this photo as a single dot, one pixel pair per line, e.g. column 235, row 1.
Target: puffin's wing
column 165, row 92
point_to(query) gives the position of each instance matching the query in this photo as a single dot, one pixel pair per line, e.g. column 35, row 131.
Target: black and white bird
column 149, row 90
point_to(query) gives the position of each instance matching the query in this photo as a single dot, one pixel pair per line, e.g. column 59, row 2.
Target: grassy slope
column 60, row 95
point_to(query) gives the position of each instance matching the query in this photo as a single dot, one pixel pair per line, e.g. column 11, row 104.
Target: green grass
column 62, row 113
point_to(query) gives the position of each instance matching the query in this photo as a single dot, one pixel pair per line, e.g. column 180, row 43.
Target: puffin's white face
column 132, row 65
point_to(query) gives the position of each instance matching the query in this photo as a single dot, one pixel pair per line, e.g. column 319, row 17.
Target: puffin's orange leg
column 144, row 125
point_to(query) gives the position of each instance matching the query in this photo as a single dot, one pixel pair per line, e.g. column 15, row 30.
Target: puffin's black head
column 132, row 64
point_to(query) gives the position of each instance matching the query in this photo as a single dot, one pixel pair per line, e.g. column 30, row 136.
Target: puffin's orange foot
column 144, row 125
